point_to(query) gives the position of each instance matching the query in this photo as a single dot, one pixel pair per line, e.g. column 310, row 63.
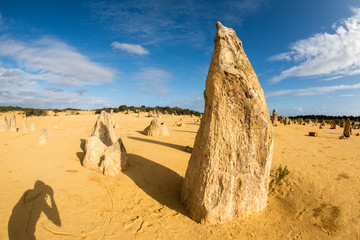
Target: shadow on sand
column 26, row 213
column 171, row 145
column 159, row 182
column 81, row 155
column 184, row 131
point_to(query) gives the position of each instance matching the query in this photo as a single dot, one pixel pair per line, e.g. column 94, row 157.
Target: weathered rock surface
column 12, row 125
column 4, row 126
column 103, row 152
column 32, row 127
column 103, row 129
column 228, row 171
column 347, row 128
column 25, row 126
column 274, row 117
column 94, row 150
column 156, row 129
column 114, row 159
column 44, row 137
column 333, row 124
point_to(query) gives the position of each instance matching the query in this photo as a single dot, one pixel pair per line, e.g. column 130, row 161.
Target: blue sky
column 93, row 54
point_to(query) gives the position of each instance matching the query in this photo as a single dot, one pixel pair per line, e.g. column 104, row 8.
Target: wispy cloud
column 54, row 89
column 153, row 22
column 153, row 80
column 82, row 91
column 325, row 54
column 312, row 90
column 51, row 60
column 130, row 48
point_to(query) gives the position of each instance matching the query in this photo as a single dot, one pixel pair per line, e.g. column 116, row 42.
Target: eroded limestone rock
column 228, row 171
column 44, row 137
column 274, row 117
column 114, row 159
column 25, row 126
column 103, row 129
column 4, row 126
column 347, row 128
column 156, row 129
column 94, row 150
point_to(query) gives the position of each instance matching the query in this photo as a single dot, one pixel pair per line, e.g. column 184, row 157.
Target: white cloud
column 51, row 60
column 82, row 91
column 54, row 89
column 153, row 80
column 312, row 90
column 130, row 48
column 325, row 54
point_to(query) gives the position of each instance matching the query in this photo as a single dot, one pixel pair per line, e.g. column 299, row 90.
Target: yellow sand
column 320, row 199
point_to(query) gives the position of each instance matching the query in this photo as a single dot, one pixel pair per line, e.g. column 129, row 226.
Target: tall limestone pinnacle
column 229, row 168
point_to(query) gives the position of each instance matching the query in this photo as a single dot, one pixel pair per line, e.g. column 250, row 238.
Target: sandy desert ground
column 320, row 198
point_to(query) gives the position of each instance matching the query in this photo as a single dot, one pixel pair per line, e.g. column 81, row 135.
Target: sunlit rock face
column 228, row 171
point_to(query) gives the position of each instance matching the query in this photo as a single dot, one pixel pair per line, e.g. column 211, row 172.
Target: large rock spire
column 228, row 172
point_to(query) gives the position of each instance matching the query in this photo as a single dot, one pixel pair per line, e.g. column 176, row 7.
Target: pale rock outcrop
column 25, row 126
column 32, row 127
column 4, row 126
column 274, row 117
column 347, row 128
column 103, row 129
column 229, row 168
column 12, row 124
column 180, row 123
column 103, row 152
column 94, row 150
column 156, row 129
column 114, row 159
column 44, row 137
column 333, row 124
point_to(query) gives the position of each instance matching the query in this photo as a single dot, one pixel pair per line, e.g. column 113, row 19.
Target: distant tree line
column 143, row 108
column 121, row 108
column 34, row 111
column 325, row 117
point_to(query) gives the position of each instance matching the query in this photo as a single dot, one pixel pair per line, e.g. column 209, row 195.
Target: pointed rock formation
column 25, row 126
column 229, row 168
column 114, row 159
column 12, row 124
column 44, row 137
column 103, row 129
column 156, row 129
column 32, row 127
column 333, row 124
column 4, row 126
column 347, row 128
column 103, row 152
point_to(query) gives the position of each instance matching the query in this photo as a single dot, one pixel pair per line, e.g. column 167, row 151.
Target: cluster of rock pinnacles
column 228, row 171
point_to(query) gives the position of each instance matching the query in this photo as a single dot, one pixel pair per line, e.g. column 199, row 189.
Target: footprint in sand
column 326, row 217
column 74, row 199
column 342, row 176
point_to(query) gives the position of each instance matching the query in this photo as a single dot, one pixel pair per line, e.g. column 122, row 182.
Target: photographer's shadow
column 26, row 213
